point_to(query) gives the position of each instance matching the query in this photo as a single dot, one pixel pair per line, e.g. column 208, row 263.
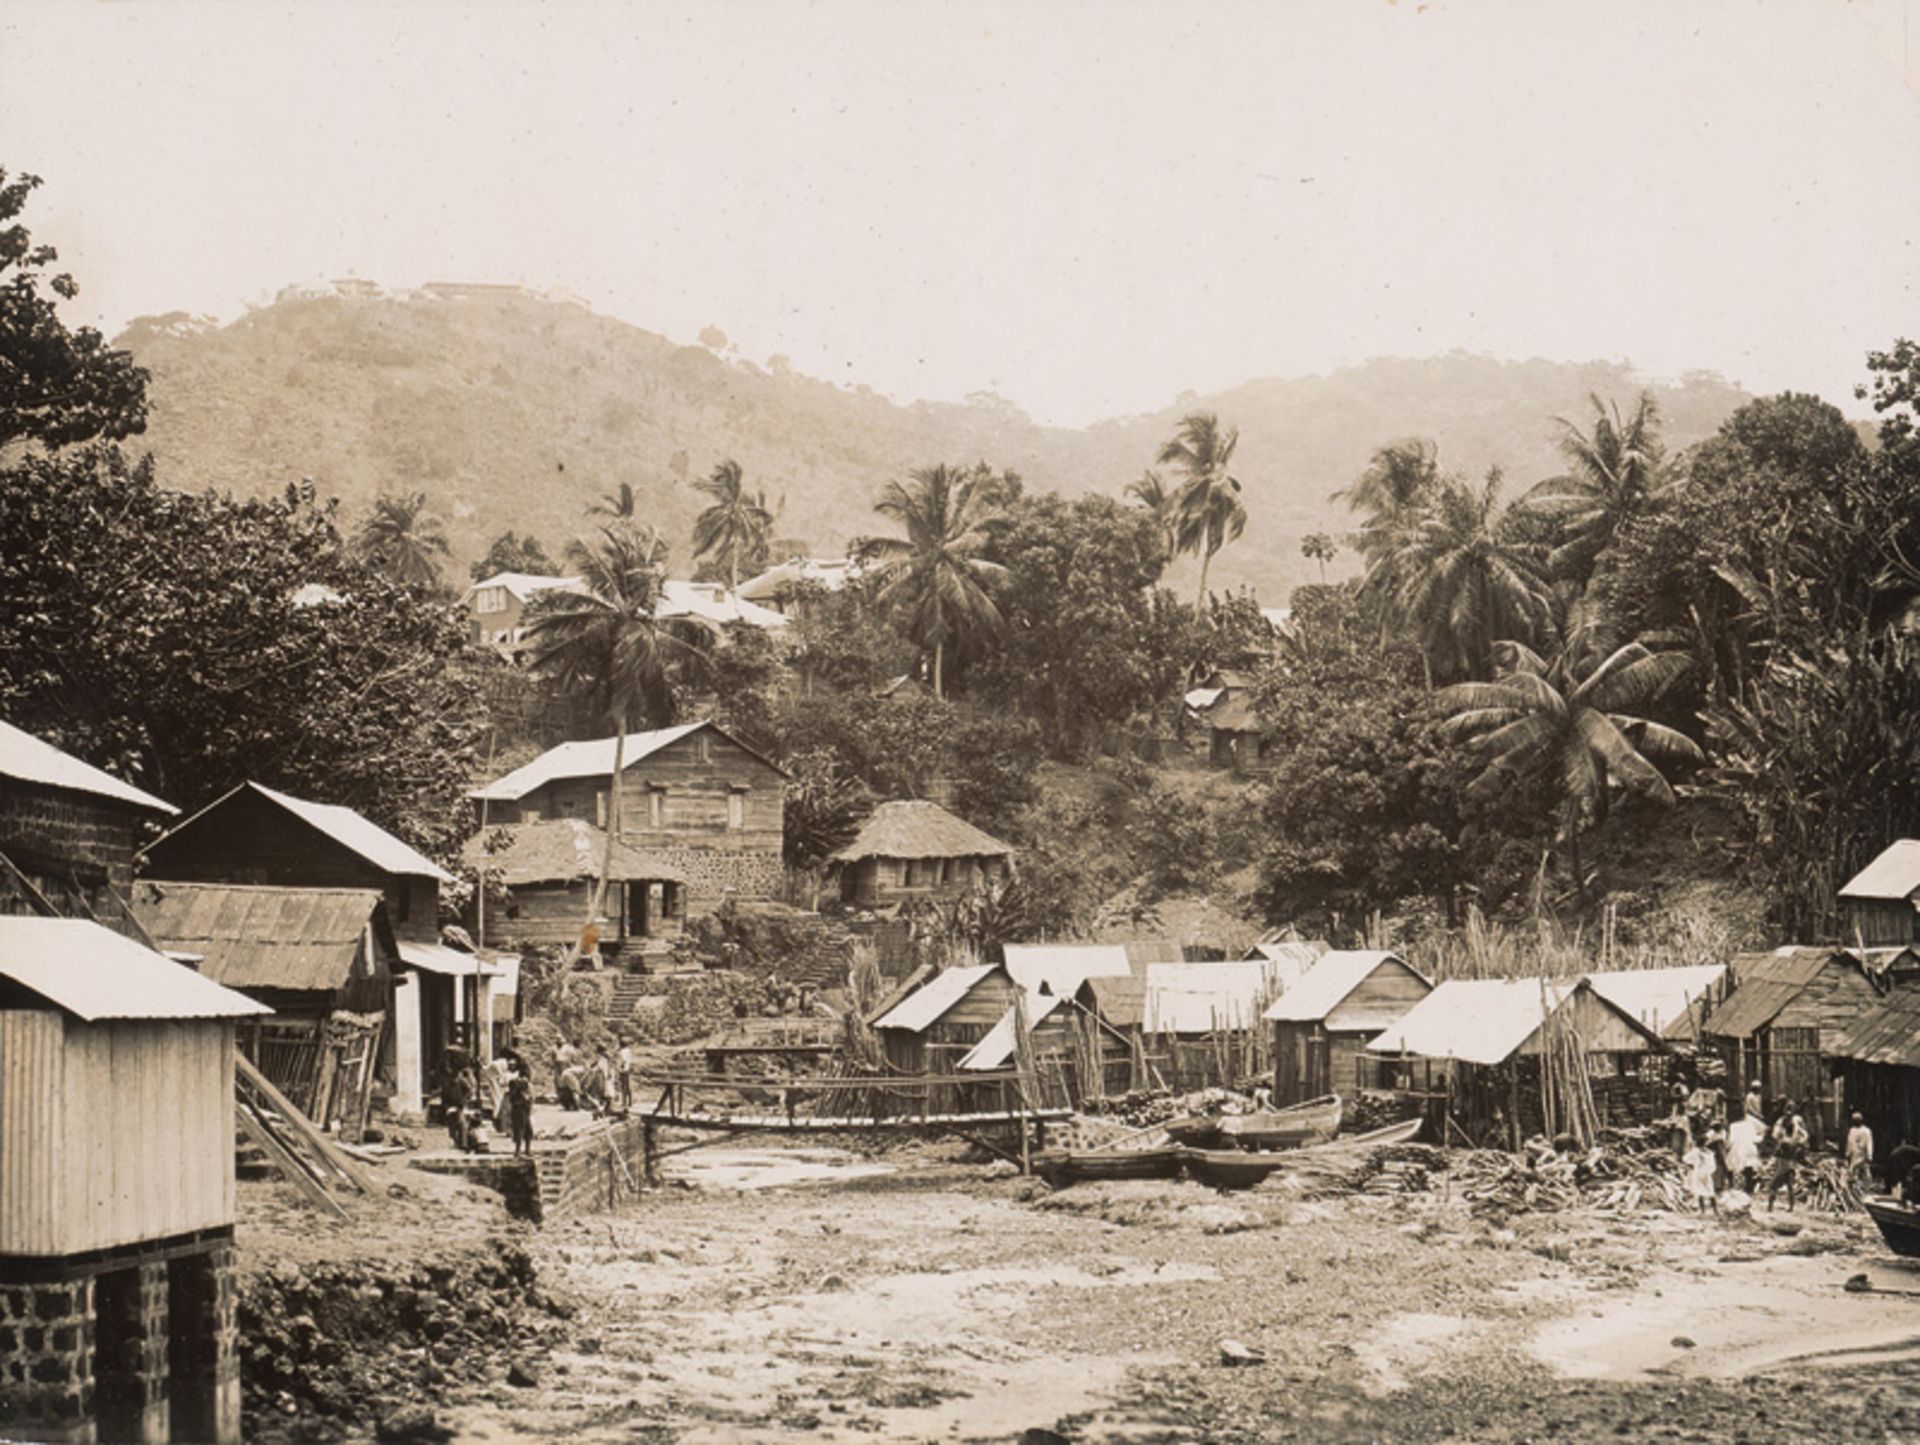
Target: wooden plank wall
column 1832, row 1002
column 1382, row 997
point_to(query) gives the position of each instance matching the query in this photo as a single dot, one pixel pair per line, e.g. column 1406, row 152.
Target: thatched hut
column 916, row 851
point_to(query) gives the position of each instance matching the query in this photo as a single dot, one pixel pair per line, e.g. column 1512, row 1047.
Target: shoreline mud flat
column 922, row 1298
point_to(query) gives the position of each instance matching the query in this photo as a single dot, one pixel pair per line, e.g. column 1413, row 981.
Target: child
column 1700, row 1162
column 520, row 1112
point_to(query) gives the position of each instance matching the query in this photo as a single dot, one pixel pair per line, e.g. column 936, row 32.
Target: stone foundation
column 588, row 1174
column 136, row 1345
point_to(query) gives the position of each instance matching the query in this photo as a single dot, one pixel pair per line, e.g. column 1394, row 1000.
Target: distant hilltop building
column 499, row 604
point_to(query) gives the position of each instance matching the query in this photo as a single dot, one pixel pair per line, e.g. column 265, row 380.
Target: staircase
column 628, row 990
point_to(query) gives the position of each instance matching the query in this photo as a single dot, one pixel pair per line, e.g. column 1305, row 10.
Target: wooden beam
column 329, row 1152
column 288, row 1163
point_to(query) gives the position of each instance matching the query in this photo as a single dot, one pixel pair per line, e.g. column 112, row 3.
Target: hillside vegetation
column 511, row 410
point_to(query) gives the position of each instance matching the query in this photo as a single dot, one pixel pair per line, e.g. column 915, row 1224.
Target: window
column 736, row 809
column 600, row 807
column 702, row 748
column 656, row 807
column 490, row 599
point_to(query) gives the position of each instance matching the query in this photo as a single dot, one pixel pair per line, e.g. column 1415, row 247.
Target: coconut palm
column 1150, row 490
column 1574, row 725
column 401, row 539
column 1617, row 471
column 735, row 528
column 603, row 642
column 1209, row 513
column 618, row 505
column 935, row 577
column 1459, row 579
column 1401, row 481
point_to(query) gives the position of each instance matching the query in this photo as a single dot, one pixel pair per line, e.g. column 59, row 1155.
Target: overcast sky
column 1086, row 208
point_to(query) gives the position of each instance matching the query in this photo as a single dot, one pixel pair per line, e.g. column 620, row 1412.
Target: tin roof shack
column 1201, row 1022
column 1047, row 1055
column 1877, row 904
column 254, row 834
column 1110, row 1017
column 912, row 851
column 936, row 1025
column 550, row 870
column 691, row 796
column 323, row 959
column 1060, row 968
column 1877, row 1061
column 1787, row 1009
column 69, row 832
column 1500, row 1060
column 116, row 1189
column 1223, row 704
column 1321, row 1024
column 1673, row 1002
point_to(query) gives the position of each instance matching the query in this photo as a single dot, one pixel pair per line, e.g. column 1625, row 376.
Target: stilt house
column 1322, row 1023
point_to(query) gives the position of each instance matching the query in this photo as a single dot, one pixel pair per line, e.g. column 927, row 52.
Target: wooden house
column 1877, row 1063
column 1223, row 705
column 117, row 1191
column 1787, row 1010
column 68, row 833
column 1110, row 1015
column 937, row 1024
column 1673, row 1002
column 254, row 834
column 917, row 852
column 1878, row 904
column 1472, row 1050
column 323, row 959
column 693, row 798
column 1060, row 968
column 550, row 870
column 1322, row 1022
column 499, row 606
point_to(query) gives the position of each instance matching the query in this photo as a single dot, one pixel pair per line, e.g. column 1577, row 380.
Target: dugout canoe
column 1899, row 1224
column 1061, row 1167
column 1294, row 1127
column 1242, row 1169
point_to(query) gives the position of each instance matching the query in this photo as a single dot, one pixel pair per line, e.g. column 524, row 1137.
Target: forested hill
column 511, row 410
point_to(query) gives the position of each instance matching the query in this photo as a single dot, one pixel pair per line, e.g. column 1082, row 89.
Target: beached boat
column 1061, row 1167
column 1899, row 1224
column 1313, row 1122
column 1196, row 1129
column 1242, row 1169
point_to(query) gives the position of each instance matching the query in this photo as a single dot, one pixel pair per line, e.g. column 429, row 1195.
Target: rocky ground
column 790, row 1293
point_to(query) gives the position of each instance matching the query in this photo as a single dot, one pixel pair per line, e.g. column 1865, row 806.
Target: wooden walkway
column 827, row 1105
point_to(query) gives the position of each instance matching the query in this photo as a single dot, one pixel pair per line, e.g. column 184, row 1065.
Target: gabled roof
column 914, row 828
column 527, row 585
column 830, row 573
column 1894, row 876
column 1060, row 968
column 594, row 759
column 1198, row 998
column 344, row 826
column 1658, row 996
column 560, row 850
column 1121, row 1002
column 1888, row 1033
column 303, row 939
column 94, row 973
column 926, row 1005
column 29, row 760
column 1325, row 986
column 1477, row 1021
column 438, row 958
column 1765, row 983
column 995, row 1050
column 712, row 601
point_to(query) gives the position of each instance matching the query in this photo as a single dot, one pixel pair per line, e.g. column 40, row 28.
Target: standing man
column 1752, row 1107
column 624, row 1064
column 563, row 1058
column 1789, row 1146
column 520, row 1112
column 1860, row 1152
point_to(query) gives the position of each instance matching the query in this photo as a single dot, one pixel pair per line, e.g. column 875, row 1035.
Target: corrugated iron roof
column 1658, row 996
column 303, row 939
column 1198, row 998
column 1889, row 1033
column 560, row 850
column 1893, row 876
column 1325, row 986
column 1478, row 1021
column 27, row 758
column 1060, row 968
column 593, row 758
column 1765, row 983
column 1122, row 1002
column 368, row 839
column 915, row 828
column 438, row 958
column 995, row 1051
column 712, row 601
column 94, row 973
column 926, row 1005
column 527, row 585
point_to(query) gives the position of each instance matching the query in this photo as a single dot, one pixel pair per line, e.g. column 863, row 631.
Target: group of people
column 601, row 1083
column 1739, row 1153
column 502, row 1091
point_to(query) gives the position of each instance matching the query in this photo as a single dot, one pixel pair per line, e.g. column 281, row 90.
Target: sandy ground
column 775, row 1294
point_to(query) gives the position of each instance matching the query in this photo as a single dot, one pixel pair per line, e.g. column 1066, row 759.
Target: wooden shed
column 550, row 870
column 935, row 1026
column 1472, row 1049
column 116, row 1187
column 912, row 851
column 1877, row 1064
column 1322, row 1022
column 1787, row 1010
column 1877, row 904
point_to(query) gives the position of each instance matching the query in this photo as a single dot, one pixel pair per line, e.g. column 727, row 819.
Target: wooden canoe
column 1313, row 1122
column 1899, row 1224
column 1061, row 1167
column 1242, row 1169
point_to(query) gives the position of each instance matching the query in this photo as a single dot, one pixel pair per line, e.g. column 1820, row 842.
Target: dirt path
column 804, row 1295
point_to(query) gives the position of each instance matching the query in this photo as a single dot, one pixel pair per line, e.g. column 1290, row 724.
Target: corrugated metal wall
column 32, row 1091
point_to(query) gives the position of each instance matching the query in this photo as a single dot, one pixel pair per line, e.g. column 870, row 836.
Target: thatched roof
column 561, row 850
column 916, row 829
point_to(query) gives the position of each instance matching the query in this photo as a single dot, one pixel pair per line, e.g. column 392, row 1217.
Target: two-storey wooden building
column 695, row 799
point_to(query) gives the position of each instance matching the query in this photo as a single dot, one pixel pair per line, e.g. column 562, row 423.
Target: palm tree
column 1320, row 547
column 1460, row 580
column 1618, row 470
column 1401, row 481
column 736, row 526
column 1209, row 512
column 618, row 505
column 605, row 643
column 402, row 539
column 1150, row 490
column 1572, row 723
column 935, row 576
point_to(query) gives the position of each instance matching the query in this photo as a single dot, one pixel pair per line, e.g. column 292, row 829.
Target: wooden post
column 1026, row 1158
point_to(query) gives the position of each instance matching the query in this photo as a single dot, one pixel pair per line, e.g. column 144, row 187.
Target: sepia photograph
column 1023, row 721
